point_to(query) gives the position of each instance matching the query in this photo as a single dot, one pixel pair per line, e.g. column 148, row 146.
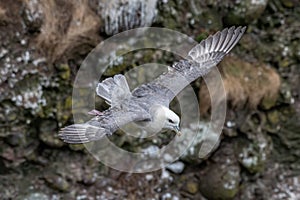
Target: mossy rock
column 244, row 12
column 221, row 178
column 250, row 156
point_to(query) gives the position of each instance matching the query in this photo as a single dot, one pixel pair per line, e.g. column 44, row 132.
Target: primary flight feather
column 148, row 104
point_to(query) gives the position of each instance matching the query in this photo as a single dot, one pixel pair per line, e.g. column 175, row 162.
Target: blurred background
column 43, row 43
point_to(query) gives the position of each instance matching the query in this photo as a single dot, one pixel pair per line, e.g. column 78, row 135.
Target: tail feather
column 114, row 90
column 104, row 89
column 81, row 133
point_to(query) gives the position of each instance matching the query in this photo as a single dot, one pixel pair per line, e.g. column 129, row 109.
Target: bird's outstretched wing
column 104, row 124
column 201, row 59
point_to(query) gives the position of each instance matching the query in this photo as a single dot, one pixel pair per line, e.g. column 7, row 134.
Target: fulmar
column 148, row 104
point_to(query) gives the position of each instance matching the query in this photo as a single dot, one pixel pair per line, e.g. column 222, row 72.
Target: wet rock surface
column 41, row 49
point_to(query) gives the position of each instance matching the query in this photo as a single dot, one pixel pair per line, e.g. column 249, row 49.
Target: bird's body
column 148, row 104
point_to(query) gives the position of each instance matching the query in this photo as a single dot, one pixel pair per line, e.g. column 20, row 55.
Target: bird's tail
column 81, row 133
column 114, row 90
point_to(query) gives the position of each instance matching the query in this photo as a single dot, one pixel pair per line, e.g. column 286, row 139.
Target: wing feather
column 201, row 59
column 237, row 37
column 222, row 39
column 228, row 36
column 215, row 41
column 105, row 124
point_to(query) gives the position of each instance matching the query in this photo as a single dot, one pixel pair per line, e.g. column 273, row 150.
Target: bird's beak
column 177, row 130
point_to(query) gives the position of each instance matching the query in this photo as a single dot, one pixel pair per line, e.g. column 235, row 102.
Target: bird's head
column 171, row 120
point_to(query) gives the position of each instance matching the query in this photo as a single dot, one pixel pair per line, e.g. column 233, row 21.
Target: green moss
column 251, row 155
column 201, row 36
column 273, row 117
column 285, row 63
column 192, row 187
column 288, row 3
column 64, row 71
column 115, row 69
column 64, row 108
column 68, row 103
column 268, row 102
column 77, row 147
column 65, row 75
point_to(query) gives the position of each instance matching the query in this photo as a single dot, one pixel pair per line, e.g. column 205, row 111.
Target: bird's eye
column 171, row 121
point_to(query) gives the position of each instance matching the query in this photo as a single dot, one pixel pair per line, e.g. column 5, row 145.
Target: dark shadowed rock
column 220, row 179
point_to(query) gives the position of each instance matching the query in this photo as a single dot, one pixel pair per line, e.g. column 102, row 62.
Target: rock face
column 122, row 15
column 244, row 12
column 42, row 46
column 220, row 179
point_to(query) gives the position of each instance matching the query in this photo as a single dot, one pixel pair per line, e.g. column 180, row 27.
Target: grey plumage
column 149, row 103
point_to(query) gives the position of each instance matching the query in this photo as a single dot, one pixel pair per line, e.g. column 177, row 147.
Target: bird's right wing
column 207, row 54
column 104, row 124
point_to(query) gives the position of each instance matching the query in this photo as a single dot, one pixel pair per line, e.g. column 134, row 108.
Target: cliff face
column 43, row 44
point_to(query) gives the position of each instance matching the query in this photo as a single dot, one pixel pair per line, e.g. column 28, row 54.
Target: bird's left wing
column 207, row 54
column 104, row 124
